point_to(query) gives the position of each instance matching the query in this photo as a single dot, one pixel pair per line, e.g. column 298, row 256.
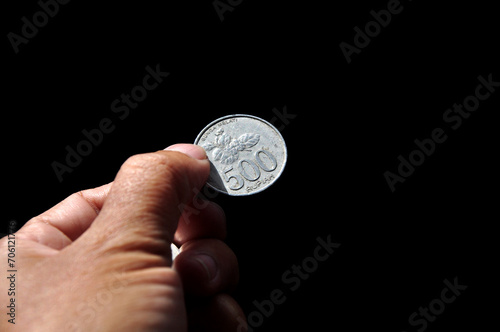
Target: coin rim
column 256, row 118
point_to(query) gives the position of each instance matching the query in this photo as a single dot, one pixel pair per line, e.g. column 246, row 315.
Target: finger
column 207, row 267
column 201, row 219
column 220, row 313
column 144, row 204
column 66, row 221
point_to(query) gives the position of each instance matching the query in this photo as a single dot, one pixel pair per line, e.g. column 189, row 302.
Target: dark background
column 351, row 123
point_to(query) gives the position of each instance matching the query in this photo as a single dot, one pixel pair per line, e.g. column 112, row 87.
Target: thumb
column 144, row 203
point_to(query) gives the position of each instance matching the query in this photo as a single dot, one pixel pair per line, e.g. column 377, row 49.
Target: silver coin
column 247, row 154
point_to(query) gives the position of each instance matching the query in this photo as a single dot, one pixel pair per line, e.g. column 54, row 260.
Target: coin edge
column 196, row 141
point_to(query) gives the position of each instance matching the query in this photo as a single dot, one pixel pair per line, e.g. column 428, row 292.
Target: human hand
column 100, row 260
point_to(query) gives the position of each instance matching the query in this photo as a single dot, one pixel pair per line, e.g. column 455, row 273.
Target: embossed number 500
column 249, row 169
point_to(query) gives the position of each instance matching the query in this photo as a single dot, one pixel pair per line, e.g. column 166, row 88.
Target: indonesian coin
column 246, row 154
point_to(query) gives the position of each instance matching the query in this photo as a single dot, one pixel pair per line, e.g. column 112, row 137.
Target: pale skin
column 100, row 260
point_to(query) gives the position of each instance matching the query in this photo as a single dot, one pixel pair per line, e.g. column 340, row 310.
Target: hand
column 100, row 260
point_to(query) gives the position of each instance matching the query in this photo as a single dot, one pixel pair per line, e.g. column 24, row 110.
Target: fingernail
column 208, row 264
column 191, row 150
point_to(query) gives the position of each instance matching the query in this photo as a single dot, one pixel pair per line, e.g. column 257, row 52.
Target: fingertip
column 207, row 267
column 194, row 151
column 199, row 273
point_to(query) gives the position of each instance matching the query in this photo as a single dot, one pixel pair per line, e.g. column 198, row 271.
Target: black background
column 351, row 123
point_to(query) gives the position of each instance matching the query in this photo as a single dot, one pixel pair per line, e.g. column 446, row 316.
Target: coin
column 247, row 154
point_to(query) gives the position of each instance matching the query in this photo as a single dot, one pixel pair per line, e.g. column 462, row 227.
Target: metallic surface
column 175, row 251
column 247, row 154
